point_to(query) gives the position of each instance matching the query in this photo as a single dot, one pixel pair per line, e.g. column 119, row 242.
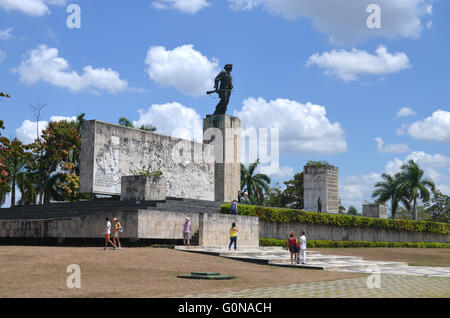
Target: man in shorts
column 117, row 230
column 107, row 234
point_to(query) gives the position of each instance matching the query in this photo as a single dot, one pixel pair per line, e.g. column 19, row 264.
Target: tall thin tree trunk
column 13, row 193
column 415, row 209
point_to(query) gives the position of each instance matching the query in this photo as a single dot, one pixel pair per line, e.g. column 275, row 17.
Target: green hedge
column 348, row 244
column 280, row 215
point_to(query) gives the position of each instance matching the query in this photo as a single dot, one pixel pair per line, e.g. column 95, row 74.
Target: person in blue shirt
column 234, row 209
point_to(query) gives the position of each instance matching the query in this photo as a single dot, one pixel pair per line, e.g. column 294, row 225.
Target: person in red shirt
column 293, row 247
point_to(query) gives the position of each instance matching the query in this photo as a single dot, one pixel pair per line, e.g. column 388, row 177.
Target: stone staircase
column 82, row 208
column 277, row 256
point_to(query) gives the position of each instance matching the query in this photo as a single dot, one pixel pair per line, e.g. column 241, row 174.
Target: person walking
column 233, row 236
column 187, row 232
column 117, row 229
column 107, row 234
column 302, row 255
column 234, row 209
column 293, row 247
column 246, row 198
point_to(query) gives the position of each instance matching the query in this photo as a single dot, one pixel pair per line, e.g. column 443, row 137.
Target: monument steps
column 281, row 257
column 83, row 208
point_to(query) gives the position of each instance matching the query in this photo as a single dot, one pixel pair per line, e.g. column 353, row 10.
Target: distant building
column 375, row 210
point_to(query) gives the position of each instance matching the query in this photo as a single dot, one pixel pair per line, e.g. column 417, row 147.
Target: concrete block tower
column 224, row 132
column 321, row 181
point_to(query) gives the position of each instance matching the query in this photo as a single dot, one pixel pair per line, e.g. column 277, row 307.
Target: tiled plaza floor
column 390, row 286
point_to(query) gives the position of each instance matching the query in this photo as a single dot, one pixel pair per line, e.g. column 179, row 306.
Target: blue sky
column 313, row 69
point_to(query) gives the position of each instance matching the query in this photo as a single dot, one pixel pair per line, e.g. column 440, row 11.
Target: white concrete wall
column 215, row 229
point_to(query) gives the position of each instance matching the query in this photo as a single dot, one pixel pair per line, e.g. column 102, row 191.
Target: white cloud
column 188, row 6
column 282, row 174
column 393, row 148
column 183, row 68
column 402, row 130
column 434, row 128
column 347, row 65
column 405, row 112
column 35, row 8
column 2, row 56
column 354, row 190
column 6, row 33
column 27, row 132
column 303, row 128
column 345, row 21
column 44, row 64
column 173, row 119
column 435, row 166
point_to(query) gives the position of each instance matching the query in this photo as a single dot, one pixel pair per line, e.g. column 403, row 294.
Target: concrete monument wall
column 321, row 182
column 224, row 132
column 110, row 151
column 336, row 233
column 215, row 229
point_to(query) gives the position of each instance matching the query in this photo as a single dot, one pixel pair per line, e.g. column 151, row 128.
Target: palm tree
column 28, row 187
column 411, row 178
column 128, row 123
column 255, row 184
column 388, row 189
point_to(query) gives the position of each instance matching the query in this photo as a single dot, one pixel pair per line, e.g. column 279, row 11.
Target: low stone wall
column 143, row 224
column 165, row 225
column 215, row 229
column 91, row 226
column 336, row 233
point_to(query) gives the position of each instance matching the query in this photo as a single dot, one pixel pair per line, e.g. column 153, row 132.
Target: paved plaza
column 390, row 286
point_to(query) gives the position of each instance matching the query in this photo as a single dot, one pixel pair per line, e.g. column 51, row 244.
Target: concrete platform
column 277, row 256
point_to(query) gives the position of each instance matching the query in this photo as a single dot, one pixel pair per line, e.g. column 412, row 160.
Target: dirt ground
column 134, row 272
column 413, row 256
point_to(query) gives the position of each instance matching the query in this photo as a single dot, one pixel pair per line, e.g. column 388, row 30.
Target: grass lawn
column 135, row 272
column 413, row 256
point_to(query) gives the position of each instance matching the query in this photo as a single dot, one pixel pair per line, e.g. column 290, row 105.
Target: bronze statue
column 224, row 90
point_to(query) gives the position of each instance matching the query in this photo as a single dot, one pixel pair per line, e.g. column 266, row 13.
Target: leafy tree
column 439, row 207
column 255, row 184
column 15, row 158
column 4, row 187
column 411, row 179
column 352, row 211
column 128, row 123
column 292, row 196
column 52, row 152
column 389, row 189
column 273, row 197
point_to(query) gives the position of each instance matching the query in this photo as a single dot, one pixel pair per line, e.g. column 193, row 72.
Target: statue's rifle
column 212, row 92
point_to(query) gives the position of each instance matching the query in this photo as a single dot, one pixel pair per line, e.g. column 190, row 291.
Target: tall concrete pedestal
column 224, row 132
column 321, row 182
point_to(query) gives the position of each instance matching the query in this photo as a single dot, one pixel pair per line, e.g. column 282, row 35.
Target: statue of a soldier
column 224, row 89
